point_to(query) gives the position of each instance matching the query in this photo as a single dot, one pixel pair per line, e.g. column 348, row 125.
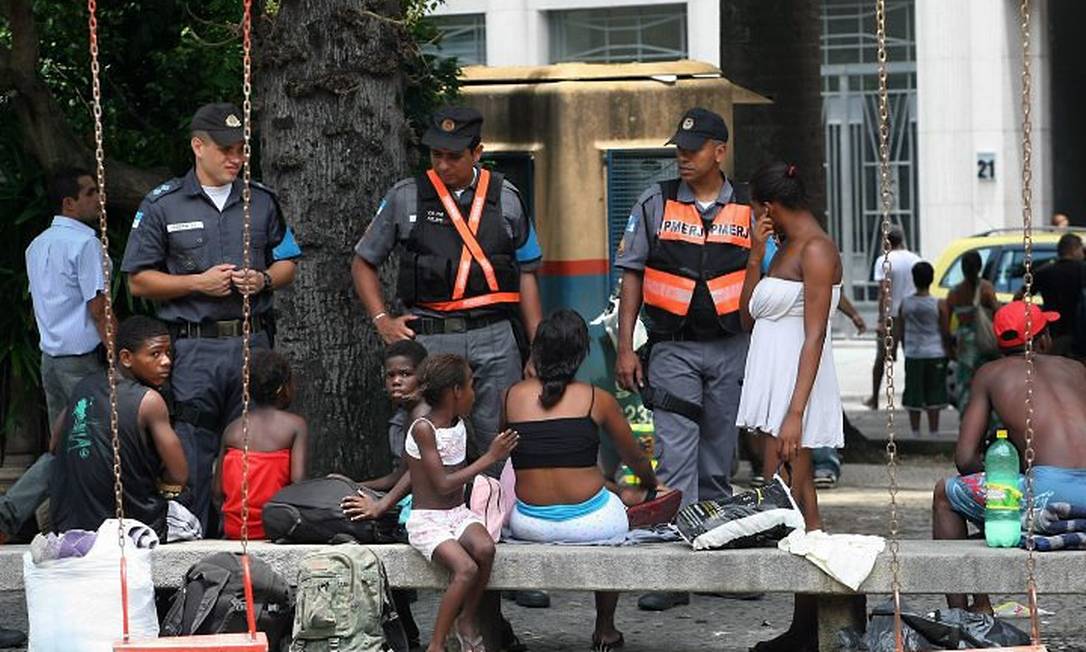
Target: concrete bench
column 926, row 567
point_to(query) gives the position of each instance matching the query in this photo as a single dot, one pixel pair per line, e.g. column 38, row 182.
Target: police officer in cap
column 185, row 253
column 468, row 258
column 683, row 257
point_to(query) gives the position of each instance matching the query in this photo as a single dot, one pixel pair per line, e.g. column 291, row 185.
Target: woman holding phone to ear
column 790, row 388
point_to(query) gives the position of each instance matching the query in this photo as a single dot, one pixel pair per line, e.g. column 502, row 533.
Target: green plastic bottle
column 1003, row 499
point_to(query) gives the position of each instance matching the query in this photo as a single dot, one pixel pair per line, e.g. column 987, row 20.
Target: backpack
column 493, row 499
column 344, row 603
column 212, row 600
column 310, row 512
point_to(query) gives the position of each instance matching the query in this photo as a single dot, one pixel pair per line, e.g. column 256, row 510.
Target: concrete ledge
column 926, row 567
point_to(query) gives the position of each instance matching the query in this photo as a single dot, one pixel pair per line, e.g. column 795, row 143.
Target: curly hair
column 441, row 373
column 409, row 349
column 134, row 332
column 270, row 372
column 559, row 348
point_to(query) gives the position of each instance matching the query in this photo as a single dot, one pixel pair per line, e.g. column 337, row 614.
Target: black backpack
column 310, row 512
column 212, row 600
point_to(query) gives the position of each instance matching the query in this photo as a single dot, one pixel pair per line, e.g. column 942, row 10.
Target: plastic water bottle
column 1003, row 502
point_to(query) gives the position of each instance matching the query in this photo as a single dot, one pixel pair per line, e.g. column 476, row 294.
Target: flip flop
column 474, row 644
column 601, row 646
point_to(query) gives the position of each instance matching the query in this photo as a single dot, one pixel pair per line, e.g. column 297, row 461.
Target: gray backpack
column 344, row 604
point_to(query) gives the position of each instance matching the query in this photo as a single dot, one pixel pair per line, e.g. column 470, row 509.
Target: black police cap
column 223, row 122
column 697, row 126
column 453, row 128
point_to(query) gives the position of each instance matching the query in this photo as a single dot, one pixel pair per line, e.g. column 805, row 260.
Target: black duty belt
column 439, row 326
column 222, row 328
column 686, row 336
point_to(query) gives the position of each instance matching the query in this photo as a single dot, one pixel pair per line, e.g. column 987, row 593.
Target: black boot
column 662, row 601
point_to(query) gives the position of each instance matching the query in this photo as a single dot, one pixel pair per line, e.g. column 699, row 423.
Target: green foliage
column 22, row 205
column 431, row 81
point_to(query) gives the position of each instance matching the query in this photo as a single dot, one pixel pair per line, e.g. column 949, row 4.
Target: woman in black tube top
column 560, row 489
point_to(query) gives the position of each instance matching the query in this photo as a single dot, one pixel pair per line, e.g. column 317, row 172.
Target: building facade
column 955, row 102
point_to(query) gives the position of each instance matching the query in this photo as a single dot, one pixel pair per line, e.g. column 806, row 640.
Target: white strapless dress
column 773, row 364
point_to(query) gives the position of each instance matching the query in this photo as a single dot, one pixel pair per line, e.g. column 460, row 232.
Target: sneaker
column 824, row 479
column 533, row 599
column 757, row 481
column 662, row 601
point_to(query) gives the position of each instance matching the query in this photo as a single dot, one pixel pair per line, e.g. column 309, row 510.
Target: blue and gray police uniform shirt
column 179, row 230
column 64, row 266
column 648, row 213
column 396, row 216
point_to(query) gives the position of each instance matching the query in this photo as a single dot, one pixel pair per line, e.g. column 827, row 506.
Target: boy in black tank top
column 153, row 465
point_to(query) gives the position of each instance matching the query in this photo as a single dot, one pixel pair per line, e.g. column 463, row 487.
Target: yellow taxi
column 1002, row 258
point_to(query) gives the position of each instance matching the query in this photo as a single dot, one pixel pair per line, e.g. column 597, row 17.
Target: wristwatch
column 267, row 281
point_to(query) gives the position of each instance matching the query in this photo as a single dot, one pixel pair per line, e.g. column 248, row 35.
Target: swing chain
column 1025, row 14
column 246, row 302
column 885, row 304
column 107, row 270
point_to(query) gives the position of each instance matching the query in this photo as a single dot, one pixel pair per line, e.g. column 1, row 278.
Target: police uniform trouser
column 207, row 376
column 696, row 458
column 495, row 362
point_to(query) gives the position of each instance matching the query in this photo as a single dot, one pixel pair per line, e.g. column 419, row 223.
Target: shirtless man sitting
column 1059, row 420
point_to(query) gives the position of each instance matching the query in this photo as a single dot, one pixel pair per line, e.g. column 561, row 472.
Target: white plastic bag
column 74, row 604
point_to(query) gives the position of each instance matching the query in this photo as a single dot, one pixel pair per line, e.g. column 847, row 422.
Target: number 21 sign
column 986, row 166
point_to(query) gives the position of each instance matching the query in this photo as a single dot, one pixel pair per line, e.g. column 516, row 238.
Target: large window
column 462, row 36
column 850, row 115
column 629, row 173
column 621, row 34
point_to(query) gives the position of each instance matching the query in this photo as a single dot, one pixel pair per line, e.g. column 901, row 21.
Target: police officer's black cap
column 698, row 125
column 223, row 122
column 453, row 128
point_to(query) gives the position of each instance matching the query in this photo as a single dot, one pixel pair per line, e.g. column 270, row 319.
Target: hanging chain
column 1025, row 15
column 246, row 302
column 107, row 287
column 107, row 271
column 885, row 309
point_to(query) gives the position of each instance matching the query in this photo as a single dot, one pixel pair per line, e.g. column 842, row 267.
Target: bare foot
column 607, row 640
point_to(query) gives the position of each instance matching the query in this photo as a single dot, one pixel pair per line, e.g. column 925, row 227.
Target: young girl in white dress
column 790, row 386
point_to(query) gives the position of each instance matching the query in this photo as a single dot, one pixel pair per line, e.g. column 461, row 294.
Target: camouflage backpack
column 344, row 603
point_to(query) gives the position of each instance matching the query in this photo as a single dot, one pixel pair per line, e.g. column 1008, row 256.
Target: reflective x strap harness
column 467, row 232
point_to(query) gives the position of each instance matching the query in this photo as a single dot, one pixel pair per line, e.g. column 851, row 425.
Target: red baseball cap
column 1010, row 323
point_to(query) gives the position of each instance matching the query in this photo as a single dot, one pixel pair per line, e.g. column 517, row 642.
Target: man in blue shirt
column 185, row 252
column 64, row 266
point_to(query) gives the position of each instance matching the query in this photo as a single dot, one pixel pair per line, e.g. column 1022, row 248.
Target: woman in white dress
column 790, row 386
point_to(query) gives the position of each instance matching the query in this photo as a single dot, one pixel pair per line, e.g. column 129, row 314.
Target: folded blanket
column 847, row 558
column 1059, row 518
column 1066, row 541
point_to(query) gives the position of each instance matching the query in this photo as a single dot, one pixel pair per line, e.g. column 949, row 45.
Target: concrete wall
column 568, row 122
column 968, row 91
column 516, row 30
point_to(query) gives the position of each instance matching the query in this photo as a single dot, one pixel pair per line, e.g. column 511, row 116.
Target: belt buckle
column 456, row 325
column 230, row 328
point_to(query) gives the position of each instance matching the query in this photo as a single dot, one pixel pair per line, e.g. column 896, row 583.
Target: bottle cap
column 1001, row 433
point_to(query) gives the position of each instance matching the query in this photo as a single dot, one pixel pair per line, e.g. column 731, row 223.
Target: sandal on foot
column 470, row 644
column 599, row 645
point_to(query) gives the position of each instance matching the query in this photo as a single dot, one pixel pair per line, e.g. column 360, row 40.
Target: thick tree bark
column 773, row 47
column 333, row 136
column 46, row 134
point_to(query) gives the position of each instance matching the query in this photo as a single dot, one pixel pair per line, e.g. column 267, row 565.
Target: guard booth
column 582, row 142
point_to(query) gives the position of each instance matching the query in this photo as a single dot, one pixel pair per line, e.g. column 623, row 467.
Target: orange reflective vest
column 455, row 264
column 694, row 272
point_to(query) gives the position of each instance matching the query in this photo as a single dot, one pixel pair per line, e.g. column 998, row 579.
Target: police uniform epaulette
column 260, row 186
column 164, row 189
column 402, row 184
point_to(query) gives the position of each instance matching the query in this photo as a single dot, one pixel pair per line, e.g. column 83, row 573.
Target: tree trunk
column 333, row 139
column 773, row 47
